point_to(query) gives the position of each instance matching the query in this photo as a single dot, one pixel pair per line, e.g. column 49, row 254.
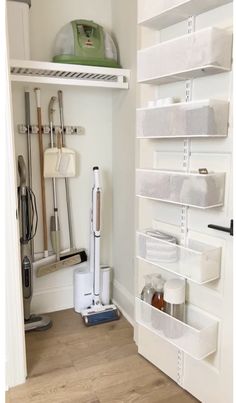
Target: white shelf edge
column 176, row 273
column 181, row 204
column 205, row 136
column 202, row 71
column 67, row 81
column 162, row 336
column 160, row 21
column 167, row 171
column 169, row 340
column 198, row 101
column 49, row 73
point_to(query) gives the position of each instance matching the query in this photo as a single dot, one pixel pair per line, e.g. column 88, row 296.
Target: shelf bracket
column 187, row 146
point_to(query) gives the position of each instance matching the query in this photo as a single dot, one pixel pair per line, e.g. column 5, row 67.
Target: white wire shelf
column 68, row 74
column 159, row 15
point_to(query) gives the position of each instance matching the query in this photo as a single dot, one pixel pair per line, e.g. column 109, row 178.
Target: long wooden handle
column 41, row 163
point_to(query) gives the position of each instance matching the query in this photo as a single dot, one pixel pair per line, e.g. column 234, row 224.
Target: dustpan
column 59, row 162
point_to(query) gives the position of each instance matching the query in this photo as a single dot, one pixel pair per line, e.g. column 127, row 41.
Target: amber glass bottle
column 158, row 296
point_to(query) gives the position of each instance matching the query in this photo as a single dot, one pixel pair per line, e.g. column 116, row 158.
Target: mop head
column 101, row 314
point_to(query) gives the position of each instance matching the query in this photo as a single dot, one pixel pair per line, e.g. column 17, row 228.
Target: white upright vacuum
column 97, row 313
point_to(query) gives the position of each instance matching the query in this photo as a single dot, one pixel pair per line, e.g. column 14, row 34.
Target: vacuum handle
column 98, row 203
column 27, row 108
column 26, row 277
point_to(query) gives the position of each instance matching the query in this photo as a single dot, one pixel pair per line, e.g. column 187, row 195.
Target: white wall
column 124, row 20
column 87, row 107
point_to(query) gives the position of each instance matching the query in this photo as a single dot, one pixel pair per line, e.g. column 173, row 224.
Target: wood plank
column 70, row 363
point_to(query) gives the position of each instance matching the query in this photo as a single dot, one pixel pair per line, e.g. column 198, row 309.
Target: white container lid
column 174, row 291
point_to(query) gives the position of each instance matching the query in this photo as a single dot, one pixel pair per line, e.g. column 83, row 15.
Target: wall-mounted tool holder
column 68, row 130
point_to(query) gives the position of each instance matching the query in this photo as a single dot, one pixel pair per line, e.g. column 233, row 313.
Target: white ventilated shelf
column 197, row 336
column 68, row 74
column 202, row 53
column 163, row 13
column 188, row 189
column 198, row 262
column 206, row 118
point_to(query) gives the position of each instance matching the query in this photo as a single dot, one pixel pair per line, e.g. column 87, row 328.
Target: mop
column 75, row 256
column 28, row 227
column 97, row 313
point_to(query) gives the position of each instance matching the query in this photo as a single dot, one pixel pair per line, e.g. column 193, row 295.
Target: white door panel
column 210, row 380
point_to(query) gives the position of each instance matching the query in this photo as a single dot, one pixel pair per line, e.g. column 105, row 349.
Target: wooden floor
column 73, row 364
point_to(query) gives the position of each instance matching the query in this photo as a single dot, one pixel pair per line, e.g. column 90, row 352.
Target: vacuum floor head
column 38, row 323
column 104, row 314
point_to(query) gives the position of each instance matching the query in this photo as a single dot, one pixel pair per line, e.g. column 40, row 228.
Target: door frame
column 15, row 356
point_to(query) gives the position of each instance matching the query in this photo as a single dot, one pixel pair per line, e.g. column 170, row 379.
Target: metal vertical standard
column 184, row 210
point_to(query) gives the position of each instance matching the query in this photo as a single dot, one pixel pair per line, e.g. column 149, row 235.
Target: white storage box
column 197, row 262
column 163, row 13
column 208, row 51
column 18, row 29
column 189, row 189
column 197, row 336
column 192, row 119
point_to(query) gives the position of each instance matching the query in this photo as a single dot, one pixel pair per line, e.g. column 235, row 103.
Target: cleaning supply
column 158, row 296
column 105, row 282
column 161, row 247
column 157, row 301
column 97, row 313
column 148, row 290
column 72, row 248
column 83, row 286
column 59, row 161
column 59, row 260
column 174, row 305
column 41, row 157
column 85, row 42
column 28, row 218
column 54, row 220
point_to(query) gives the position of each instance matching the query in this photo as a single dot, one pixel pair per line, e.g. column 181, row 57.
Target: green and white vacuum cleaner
column 85, row 42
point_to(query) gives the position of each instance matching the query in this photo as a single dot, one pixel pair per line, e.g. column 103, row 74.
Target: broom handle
column 41, row 162
column 68, row 201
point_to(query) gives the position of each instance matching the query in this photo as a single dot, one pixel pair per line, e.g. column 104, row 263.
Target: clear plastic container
column 189, row 189
column 186, row 56
column 192, row 119
column 198, row 334
column 198, row 262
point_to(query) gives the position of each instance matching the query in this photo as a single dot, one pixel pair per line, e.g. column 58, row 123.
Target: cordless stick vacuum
column 28, row 228
column 97, row 313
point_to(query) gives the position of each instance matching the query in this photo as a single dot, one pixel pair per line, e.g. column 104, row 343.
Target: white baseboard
column 124, row 300
column 52, row 299
column 60, row 298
